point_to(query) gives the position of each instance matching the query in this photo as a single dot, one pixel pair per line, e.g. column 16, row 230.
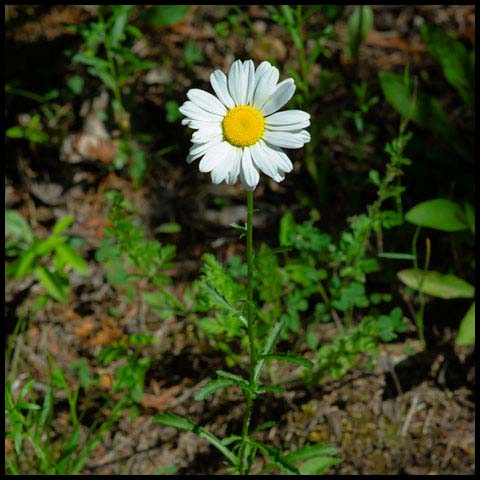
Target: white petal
column 282, row 161
column 282, row 94
column 203, row 147
column 235, row 170
column 206, row 133
column 206, row 101
column 263, row 68
column 287, row 139
column 194, row 112
column 288, row 117
column 219, row 83
column 223, row 168
column 198, row 124
column 249, row 68
column 237, row 83
column 286, row 128
column 265, row 87
column 263, row 159
column 248, row 172
column 214, row 156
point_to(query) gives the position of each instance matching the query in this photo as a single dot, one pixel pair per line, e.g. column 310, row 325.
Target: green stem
column 251, row 336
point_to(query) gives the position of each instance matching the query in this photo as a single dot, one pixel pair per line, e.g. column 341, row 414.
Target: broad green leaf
column 297, row 359
column 53, row 284
column 316, row 466
column 15, row 132
column 162, row 15
column 359, row 24
column 436, row 284
column 70, row 257
column 466, row 332
column 62, row 224
column 440, row 213
column 422, row 109
column 211, row 387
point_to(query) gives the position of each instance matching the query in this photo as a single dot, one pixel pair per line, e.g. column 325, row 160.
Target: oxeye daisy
column 240, row 131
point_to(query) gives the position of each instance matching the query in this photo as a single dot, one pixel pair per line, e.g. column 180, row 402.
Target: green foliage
column 436, row 284
column 164, row 15
column 107, row 53
column 440, row 214
column 32, row 132
column 466, row 332
column 129, row 258
column 130, row 374
column 359, row 24
column 192, row 55
column 423, row 109
column 49, row 259
column 345, row 350
column 37, row 447
column 457, row 63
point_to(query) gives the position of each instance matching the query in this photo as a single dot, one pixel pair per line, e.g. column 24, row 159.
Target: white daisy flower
column 238, row 131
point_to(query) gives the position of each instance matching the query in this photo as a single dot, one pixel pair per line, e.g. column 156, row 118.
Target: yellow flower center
column 243, row 126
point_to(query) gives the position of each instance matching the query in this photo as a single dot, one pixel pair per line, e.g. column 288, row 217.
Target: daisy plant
column 240, row 133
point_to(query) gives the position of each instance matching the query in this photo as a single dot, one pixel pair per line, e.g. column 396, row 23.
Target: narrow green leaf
column 436, row 284
column 173, row 420
column 269, row 345
column 422, row 109
column 276, row 457
column 231, row 376
column 119, row 25
column 72, row 258
column 397, row 256
column 62, row 224
column 53, row 284
column 265, row 426
column 211, row 387
column 317, row 466
column 466, row 332
column 297, row 359
column 311, row 451
column 25, row 263
column 17, row 226
column 359, row 24
column 439, row 213
column 287, row 224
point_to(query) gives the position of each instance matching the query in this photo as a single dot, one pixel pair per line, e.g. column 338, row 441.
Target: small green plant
column 294, row 20
column 49, row 259
column 37, row 447
column 107, row 53
column 130, row 374
column 446, row 216
column 129, row 259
